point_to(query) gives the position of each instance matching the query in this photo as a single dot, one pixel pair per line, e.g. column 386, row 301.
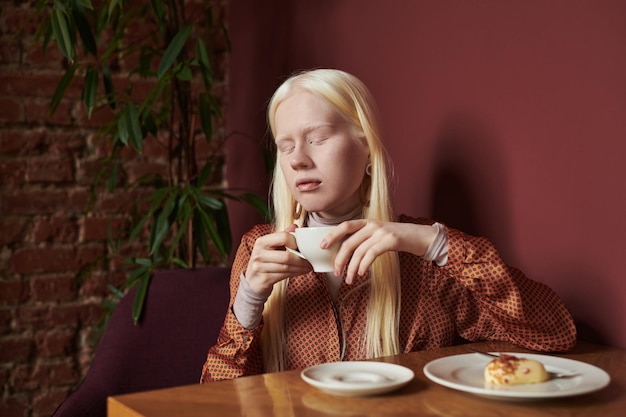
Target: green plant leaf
column 215, row 106
column 62, row 87
column 40, row 5
column 150, row 124
column 115, row 291
column 204, row 173
column 183, row 219
column 140, row 296
column 163, row 223
column 108, row 305
column 113, row 4
column 180, row 262
column 173, row 50
column 82, row 24
column 61, row 31
column 183, row 200
column 139, row 226
column 142, row 261
column 157, row 197
column 211, row 203
column 223, row 229
column 113, row 242
column 109, row 18
column 113, row 176
column 107, row 80
column 184, row 74
column 258, row 203
column 159, row 12
column 122, row 129
column 87, row 4
column 200, row 237
column 134, row 129
column 205, row 63
column 153, row 95
column 44, row 31
column 145, row 62
column 134, row 275
column 90, row 89
column 206, row 118
column 210, row 228
column 221, row 194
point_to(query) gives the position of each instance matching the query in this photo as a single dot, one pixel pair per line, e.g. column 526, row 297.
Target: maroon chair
column 182, row 316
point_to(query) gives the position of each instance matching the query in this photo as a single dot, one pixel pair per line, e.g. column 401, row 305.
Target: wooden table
column 285, row 394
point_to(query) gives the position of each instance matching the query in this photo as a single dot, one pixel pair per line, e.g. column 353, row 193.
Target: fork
column 552, row 374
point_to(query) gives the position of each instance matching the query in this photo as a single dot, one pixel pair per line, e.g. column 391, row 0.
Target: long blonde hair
column 353, row 101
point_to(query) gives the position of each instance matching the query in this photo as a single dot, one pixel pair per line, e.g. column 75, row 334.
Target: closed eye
column 318, row 140
column 285, row 146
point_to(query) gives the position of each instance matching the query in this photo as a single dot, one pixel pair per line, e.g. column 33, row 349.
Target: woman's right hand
column 270, row 262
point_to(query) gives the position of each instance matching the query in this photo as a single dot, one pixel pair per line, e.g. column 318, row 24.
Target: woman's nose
column 300, row 159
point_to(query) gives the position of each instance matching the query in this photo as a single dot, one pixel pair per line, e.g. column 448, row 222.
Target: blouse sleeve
column 498, row 302
column 238, row 350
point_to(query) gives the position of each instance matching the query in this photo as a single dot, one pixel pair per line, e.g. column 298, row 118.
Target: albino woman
column 400, row 284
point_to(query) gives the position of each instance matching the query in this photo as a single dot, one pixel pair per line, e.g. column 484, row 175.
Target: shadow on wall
column 471, row 193
column 591, row 322
column 470, row 190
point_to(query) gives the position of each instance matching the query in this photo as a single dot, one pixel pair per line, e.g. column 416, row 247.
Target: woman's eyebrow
column 306, row 130
column 317, row 126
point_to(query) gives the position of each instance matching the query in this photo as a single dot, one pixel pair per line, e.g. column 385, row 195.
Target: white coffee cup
column 309, row 240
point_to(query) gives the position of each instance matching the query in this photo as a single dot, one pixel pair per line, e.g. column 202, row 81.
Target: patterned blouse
column 475, row 296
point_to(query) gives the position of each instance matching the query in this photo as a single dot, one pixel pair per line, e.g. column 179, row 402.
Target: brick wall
column 49, row 311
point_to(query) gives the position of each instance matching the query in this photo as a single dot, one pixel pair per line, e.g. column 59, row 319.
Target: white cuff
column 438, row 249
column 248, row 305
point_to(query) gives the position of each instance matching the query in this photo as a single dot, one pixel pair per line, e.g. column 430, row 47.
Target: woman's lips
column 307, row 184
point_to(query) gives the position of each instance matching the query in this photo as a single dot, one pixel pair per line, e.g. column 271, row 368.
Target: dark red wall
column 504, row 118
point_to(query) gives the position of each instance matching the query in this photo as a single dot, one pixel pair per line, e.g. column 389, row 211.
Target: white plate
column 466, row 373
column 357, row 378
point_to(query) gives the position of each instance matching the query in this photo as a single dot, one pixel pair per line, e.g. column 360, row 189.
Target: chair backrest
column 183, row 314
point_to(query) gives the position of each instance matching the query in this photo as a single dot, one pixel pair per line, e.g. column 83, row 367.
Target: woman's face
column 321, row 159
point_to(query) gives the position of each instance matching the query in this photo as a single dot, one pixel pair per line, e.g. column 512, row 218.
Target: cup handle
column 295, row 252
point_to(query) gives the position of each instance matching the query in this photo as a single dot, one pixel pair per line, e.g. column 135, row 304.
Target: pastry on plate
column 513, row 370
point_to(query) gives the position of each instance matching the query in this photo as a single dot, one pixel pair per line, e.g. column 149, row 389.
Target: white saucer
column 357, row 378
column 466, row 373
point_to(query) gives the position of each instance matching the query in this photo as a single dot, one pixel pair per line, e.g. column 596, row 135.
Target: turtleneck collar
column 314, row 219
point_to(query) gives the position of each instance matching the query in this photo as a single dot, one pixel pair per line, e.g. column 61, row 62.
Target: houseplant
column 116, row 48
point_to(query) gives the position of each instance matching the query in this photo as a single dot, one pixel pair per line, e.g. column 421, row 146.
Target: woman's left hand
column 362, row 241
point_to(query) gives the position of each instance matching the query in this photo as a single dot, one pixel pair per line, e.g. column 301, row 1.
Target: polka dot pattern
column 475, row 296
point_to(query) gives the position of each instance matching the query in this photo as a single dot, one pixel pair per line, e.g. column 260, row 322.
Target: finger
column 348, row 247
column 263, row 272
column 361, row 259
column 263, row 283
column 276, row 259
column 291, row 228
column 367, row 252
column 275, row 241
column 342, row 231
column 291, row 239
